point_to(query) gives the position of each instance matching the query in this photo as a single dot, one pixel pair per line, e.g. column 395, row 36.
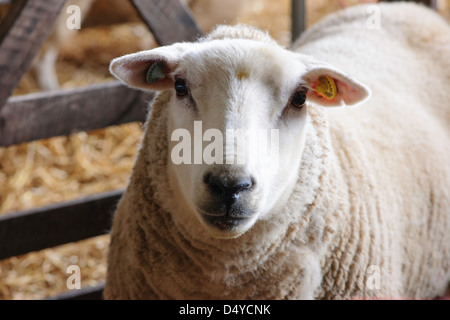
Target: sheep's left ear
column 330, row 87
column 148, row 70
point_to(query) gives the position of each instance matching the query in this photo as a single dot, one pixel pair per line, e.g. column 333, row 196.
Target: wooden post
column 170, row 21
column 22, row 33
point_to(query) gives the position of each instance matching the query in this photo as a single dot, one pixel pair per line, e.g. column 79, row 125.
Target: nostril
column 215, row 184
column 225, row 186
column 243, row 185
column 206, row 177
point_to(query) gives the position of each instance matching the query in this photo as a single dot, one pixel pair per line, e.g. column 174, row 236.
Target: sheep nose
column 226, row 187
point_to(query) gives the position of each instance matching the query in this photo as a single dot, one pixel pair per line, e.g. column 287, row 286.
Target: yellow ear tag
column 326, row 87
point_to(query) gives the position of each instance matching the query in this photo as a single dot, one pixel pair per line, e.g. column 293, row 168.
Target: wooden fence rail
column 53, row 225
column 48, row 114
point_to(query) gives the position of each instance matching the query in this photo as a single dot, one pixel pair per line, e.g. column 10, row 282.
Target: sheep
column 358, row 207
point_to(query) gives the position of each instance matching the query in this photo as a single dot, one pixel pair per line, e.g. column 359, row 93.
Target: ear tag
column 326, row 87
column 156, row 72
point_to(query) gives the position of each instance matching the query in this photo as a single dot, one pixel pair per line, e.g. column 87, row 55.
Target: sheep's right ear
column 148, row 70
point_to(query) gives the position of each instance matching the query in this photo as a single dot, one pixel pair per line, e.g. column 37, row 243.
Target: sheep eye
column 298, row 99
column 181, row 88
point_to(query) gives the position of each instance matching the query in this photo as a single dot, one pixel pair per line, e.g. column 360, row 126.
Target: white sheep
column 359, row 205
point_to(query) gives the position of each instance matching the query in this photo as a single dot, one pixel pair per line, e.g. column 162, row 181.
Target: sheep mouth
column 225, row 222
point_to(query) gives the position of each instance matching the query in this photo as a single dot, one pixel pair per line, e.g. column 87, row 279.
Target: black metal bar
column 298, row 18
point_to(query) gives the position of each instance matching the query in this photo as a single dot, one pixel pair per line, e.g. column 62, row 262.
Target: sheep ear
column 331, row 87
column 148, row 70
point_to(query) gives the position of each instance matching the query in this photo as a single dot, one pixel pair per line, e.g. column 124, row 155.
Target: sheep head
column 237, row 120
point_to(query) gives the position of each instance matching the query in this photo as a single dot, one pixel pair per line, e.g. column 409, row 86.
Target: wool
column 372, row 191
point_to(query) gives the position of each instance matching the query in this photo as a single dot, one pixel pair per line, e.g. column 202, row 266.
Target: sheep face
column 233, row 100
column 236, row 123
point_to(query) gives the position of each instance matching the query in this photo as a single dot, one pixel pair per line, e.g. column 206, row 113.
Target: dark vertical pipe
column 298, row 18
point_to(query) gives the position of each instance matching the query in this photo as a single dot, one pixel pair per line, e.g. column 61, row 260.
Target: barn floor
column 64, row 168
